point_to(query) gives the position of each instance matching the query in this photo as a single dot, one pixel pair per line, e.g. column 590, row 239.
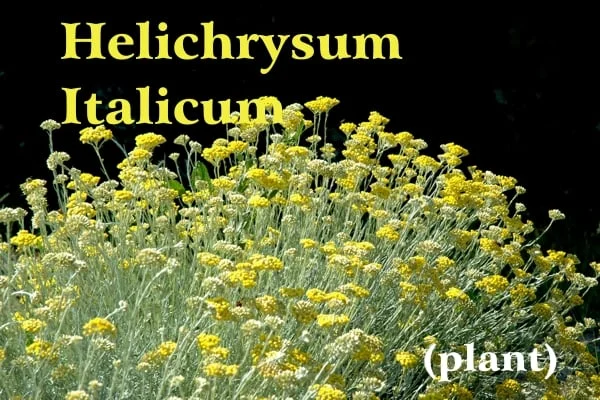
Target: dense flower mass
column 275, row 264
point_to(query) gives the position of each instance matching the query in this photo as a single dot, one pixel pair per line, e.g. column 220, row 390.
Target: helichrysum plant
column 275, row 264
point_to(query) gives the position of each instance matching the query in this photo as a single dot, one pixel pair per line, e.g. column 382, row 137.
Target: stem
column 97, row 151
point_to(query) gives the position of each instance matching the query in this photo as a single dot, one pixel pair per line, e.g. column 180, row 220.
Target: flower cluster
column 290, row 267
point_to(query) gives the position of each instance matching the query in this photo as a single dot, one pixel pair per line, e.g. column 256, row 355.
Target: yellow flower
column 543, row 310
column 291, row 292
column 297, row 151
column 269, row 102
column 492, row 284
column 244, row 277
column 456, row 293
column 387, row 232
column 552, row 395
column 407, row 359
column 148, row 141
column 224, row 183
column 509, row 389
column 321, row 104
column 95, row 135
column 443, row 263
column 258, row 201
column 260, row 262
column 25, row 239
column 489, row 246
column 32, row 325
column 207, row 341
column 506, row 182
column 370, row 349
column 404, row 138
column 336, row 298
column 299, row 199
column 123, row 195
column 455, row 149
column 292, row 119
column 521, row 294
column 219, row 369
column 267, row 304
column 42, row 350
column 429, row 340
column 328, row 392
column 331, row 320
column 85, row 178
column 208, row 259
column 347, row 128
column 167, row 348
column 308, row 243
column 304, row 312
column 216, row 154
column 77, row 395
column 237, row 146
column 316, row 295
column 221, row 308
column 355, row 290
column 100, row 326
column 377, row 119
column 426, row 163
column 575, row 300
column 595, row 266
column 158, row 356
column 139, row 154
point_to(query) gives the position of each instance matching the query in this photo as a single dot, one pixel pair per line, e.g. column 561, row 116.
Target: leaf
column 474, row 295
column 243, row 185
column 200, row 172
column 293, row 140
column 176, row 185
column 245, row 182
column 299, row 131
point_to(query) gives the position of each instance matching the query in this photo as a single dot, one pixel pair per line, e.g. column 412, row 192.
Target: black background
column 520, row 91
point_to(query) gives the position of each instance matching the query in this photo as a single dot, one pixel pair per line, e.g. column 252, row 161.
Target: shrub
column 293, row 269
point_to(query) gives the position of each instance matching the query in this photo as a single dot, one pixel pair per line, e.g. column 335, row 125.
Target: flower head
column 100, row 326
